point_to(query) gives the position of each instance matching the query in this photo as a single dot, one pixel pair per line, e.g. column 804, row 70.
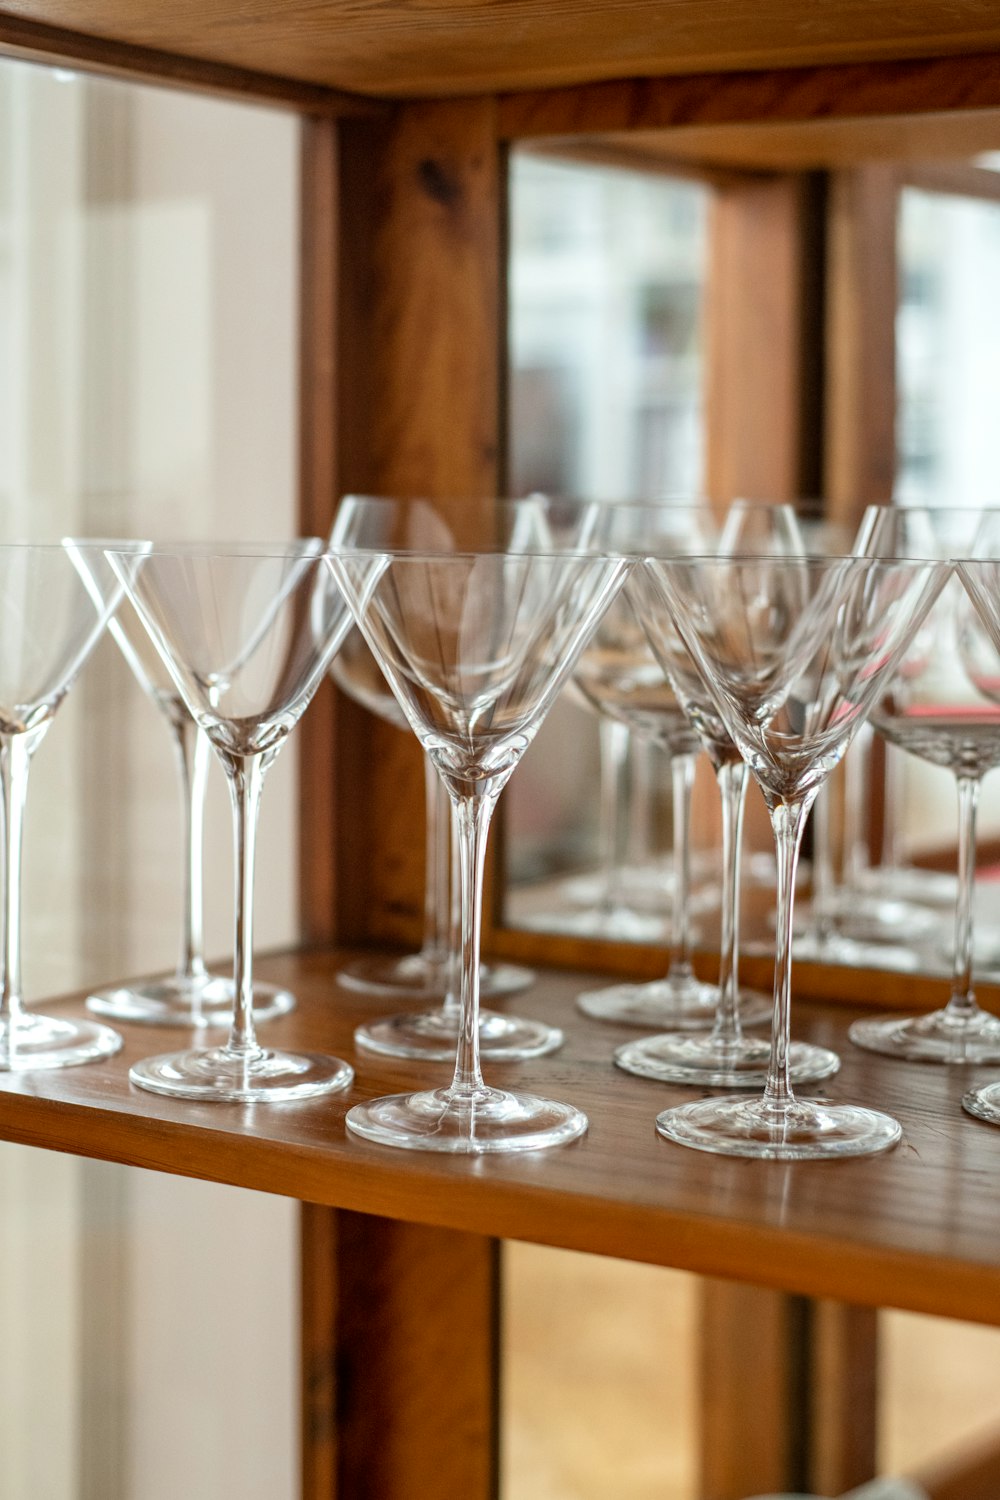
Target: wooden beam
column 860, row 340
column 420, row 349
column 399, row 1340
column 752, row 1414
column 788, row 1393
column 842, row 1396
column 972, row 1474
column 761, row 422
column 56, row 46
column 857, row 91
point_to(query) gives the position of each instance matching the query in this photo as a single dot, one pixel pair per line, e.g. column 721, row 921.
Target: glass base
column 984, row 1103
column 835, row 948
column 175, row 1001
column 911, row 884
column 668, row 1004
column 676, row 1058
column 37, row 1042
column 885, row 919
column 806, row 1131
column 614, row 924
column 215, row 1073
column 936, row 1038
column 491, row 1120
column 422, row 977
column 433, row 1036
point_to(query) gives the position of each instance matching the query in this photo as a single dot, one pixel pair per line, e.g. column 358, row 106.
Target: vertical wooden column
column 860, row 347
column 764, row 356
column 860, row 339
column 788, row 1386
column 401, row 351
column 787, row 1391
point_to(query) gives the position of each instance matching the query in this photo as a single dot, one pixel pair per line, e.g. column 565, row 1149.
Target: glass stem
column 682, row 784
column 892, row 853
column 245, row 774
column 437, row 869
column 822, row 868
column 644, row 758
column 473, row 813
column 614, row 755
column 788, row 820
column 857, row 779
column 732, row 779
column 452, row 1004
column 962, row 1003
column 192, row 753
column 15, row 755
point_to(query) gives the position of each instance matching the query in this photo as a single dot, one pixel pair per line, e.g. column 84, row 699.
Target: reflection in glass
column 605, row 369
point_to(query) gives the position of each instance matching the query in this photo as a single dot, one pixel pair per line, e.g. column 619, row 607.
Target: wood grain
column 419, row 339
column 866, row 92
column 760, row 424
column 400, row 1340
column 751, row 1361
column 860, row 340
column 114, row 58
column 446, row 47
column 917, row 1228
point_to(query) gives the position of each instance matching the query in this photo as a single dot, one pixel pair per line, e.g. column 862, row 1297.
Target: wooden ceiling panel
column 412, row 48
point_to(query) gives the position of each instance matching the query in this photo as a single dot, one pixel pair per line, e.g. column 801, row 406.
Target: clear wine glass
column 54, row 604
column 427, row 974
column 476, row 647
column 191, row 995
column 622, row 674
column 432, row 1033
column 619, row 677
column 246, row 635
column 623, row 899
column 933, row 709
column 981, row 577
column 795, row 652
column 725, row 1056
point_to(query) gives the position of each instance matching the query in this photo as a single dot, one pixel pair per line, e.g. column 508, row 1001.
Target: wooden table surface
column 918, row 1227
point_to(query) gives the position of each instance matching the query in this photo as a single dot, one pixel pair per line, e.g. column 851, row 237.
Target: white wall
column 148, row 255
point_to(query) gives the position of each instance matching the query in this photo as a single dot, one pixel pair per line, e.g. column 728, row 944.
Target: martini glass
column 725, row 1056
column 982, row 580
column 431, row 975
column 54, row 604
column 192, row 995
column 476, row 647
column 247, row 636
column 619, row 678
column 622, row 675
column 425, row 975
column 795, row 652
column 935, row 710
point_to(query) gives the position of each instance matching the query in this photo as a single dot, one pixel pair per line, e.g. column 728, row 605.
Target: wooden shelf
column 918, row 1228
column 393, row 49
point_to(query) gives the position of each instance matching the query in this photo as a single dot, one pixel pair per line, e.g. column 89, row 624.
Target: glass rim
column 547, row 554
column 312, row 545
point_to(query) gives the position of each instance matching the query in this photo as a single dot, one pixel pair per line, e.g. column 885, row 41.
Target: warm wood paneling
column 704, row 102
column 443, row 47
column 418, row 413
column 399, row 1337
column 761, row 346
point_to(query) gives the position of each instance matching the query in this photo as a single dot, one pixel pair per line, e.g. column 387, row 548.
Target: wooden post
column 402, row 343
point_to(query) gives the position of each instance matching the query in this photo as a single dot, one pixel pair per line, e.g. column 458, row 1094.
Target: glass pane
column 148, row 307
column 606, row 278
column 947, row 367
